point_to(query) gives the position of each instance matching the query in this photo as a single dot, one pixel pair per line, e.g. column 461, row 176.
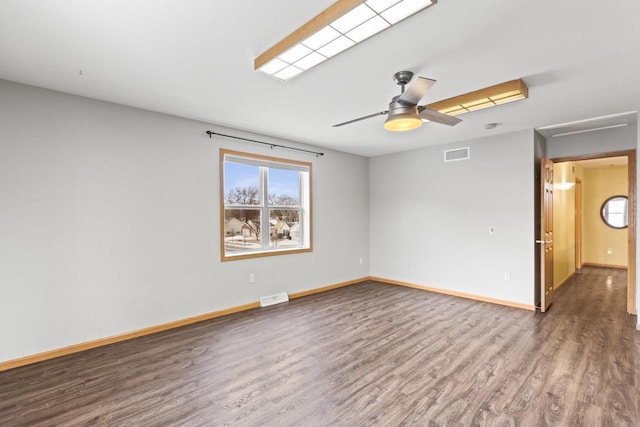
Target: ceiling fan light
column 402, row 122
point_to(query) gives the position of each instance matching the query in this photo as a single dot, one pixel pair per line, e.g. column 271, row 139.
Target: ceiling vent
column 589, row 125
column 457, row 154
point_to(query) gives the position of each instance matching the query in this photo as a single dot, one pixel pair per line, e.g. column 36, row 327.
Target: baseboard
column 51, row 354
column 530, row 307
column 565, row 280
column 327, row 288
column 595, row 264
column 64, row 351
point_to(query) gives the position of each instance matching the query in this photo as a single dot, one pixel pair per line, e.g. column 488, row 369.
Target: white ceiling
column 580, row 59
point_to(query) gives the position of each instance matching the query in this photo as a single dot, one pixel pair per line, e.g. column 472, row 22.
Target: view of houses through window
column 266, row 204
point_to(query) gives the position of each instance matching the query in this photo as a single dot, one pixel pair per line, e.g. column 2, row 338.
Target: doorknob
column 542, row 242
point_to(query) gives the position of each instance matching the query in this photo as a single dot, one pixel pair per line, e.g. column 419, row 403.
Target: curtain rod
column 210, row 133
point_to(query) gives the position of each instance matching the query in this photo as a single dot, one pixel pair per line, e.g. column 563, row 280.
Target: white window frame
column 266, row 162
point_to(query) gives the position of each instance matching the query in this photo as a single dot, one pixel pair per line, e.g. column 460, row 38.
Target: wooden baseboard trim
column 327, row 288
column 64, row 351
column 39, row 357
column 530, row 307
column 595, row 264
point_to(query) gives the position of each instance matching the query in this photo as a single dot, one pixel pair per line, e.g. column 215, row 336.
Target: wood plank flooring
column 368, row 354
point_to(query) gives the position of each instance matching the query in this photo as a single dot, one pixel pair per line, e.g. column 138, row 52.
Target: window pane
column 284, row 187
column 284, row 228
column 241, row 184
column 241, row 230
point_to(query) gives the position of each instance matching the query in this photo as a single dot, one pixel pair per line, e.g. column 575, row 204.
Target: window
column 266, row 205
column 614, row 212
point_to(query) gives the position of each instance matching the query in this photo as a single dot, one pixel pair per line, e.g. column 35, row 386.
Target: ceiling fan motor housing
column 402, row 116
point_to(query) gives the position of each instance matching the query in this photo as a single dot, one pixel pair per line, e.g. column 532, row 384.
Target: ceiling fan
column 404, row 113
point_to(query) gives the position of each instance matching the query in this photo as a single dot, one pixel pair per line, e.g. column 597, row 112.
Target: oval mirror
column 614, row 212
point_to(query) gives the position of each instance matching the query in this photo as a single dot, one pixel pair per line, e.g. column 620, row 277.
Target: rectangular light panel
column 491, row 96
column 339, row 27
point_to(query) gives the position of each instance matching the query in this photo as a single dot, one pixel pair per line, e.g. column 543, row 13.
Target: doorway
column 563, row 272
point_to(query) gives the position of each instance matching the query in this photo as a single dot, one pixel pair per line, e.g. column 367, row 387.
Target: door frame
column 547, row 288
column 631, row 230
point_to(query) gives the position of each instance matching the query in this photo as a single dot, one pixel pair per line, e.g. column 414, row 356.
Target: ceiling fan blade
column 416, row 90
column 361, row 118
column 438, row 117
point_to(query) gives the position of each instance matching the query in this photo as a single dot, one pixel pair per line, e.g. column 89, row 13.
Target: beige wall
column 564, row 210
column 598, row 185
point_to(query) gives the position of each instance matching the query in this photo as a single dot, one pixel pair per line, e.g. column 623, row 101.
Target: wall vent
column 274, row 299
column 457, row 154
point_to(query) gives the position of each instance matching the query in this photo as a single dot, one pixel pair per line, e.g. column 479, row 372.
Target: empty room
column 325, row 213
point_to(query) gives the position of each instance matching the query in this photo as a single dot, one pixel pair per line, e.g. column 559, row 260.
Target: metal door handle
column 542, row 242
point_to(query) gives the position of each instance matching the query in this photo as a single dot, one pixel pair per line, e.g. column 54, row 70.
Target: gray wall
column 109, row 222
column 430, row 220
column 600, row 141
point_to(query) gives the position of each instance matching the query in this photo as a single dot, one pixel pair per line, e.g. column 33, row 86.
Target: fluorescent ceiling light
column 337, row 28
column 288, row 72
column 336, row 46
column 367, row 29
column 310, row 60
column 381, row 5
column 483, row 98
column 354, row 18
column 273, row 66
column 295, row 53
column 404, row 9
column 322, row 37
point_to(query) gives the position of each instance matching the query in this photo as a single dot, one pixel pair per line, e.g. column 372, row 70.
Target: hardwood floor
column 369, row 354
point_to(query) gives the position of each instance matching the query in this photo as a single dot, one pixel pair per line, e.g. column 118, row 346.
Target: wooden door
column 578, row 223
column 546, row 264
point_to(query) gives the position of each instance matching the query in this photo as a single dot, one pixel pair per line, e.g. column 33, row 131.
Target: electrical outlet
column 492, row 230
column 609, row 251
column 507, row 276
column 361, row 260
column 252, row 278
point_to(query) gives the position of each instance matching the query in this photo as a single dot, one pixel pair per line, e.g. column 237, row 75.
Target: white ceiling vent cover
column 457, row 154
